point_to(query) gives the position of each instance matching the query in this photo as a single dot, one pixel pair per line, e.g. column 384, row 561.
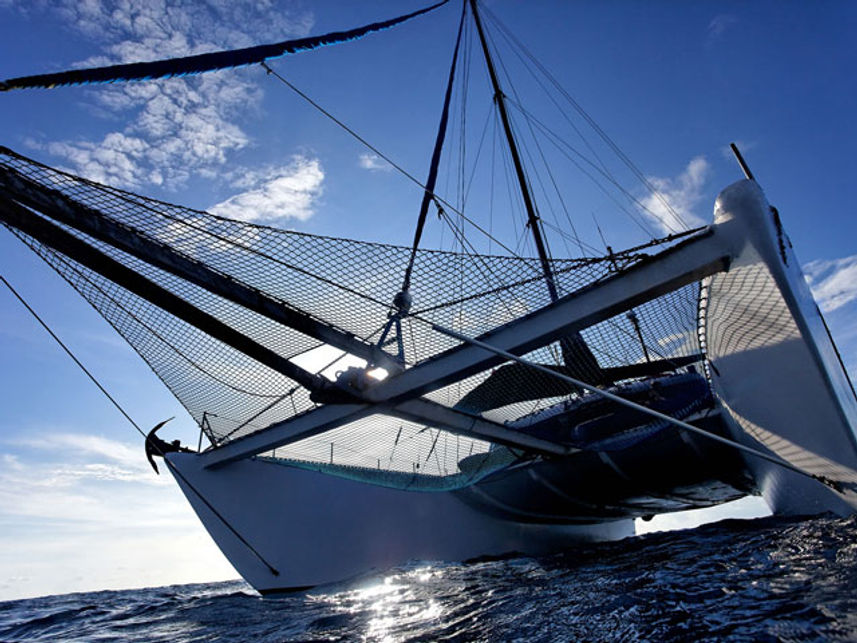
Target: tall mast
column 576, row 354
column 532, row 217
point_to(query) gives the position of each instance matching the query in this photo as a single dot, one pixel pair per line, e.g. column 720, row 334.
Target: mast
column 575, row 353
column 532, row 217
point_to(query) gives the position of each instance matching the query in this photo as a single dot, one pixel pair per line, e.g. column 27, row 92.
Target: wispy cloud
column 720, row 24
column 75, row 478
column 833, row 282
column 84, row 512
column 682, row 194
column 85, row 456
column 180, row 126
column 276, row 193
column 374, row 163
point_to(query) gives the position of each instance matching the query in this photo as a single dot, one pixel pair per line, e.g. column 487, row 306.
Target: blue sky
column 672, row 84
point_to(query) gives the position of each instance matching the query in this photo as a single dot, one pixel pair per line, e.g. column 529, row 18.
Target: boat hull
column 314, row 528
column 774, row 366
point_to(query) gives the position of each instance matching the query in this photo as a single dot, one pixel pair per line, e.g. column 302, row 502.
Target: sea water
column 770, row 579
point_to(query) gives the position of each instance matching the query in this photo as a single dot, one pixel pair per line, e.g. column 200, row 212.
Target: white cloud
column 180, row 126
column 720, row 24
column 83, row 512
column 65, row 459
column 275, row 194
column 683, row 193
column 115, row 160
column 833, row 282
column 374, row 163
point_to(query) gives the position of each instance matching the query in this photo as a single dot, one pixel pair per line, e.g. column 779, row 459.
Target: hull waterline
column 315, row 528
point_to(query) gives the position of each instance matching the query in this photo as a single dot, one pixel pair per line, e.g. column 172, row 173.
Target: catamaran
column 473, row 403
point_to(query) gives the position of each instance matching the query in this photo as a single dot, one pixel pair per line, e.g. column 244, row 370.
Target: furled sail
column 202, row 62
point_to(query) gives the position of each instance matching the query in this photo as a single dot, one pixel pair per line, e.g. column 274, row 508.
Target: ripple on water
column 766, row 579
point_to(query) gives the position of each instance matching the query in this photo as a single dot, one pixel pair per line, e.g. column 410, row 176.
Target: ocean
column 769, row 579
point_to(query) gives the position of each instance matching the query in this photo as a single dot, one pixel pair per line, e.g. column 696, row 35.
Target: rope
column 583, row 113
column 435, row 162
column 375, row 150
column 119, row 407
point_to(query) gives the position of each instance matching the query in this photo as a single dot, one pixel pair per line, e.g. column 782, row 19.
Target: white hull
column 315, row 528
column 775, row 367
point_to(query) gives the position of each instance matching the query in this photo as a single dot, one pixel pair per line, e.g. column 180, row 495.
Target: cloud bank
column 181, row 126
column 276, row 193
column 833, row 282
column 683, row 193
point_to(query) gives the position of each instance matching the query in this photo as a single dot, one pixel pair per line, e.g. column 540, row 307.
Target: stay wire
column 521, row 53
column 119, row 407
column 590, row 120
column 374, row 149
column 559, row 143
column 522, row 144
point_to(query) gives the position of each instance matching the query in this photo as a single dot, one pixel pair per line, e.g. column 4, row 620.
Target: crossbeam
column 685, row 263
column 331, row 416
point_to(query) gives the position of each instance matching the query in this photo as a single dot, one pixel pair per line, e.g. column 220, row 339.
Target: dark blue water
column 770, row 579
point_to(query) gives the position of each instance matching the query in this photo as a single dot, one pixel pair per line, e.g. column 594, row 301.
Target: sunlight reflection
column 378, row 373
column 398, row 601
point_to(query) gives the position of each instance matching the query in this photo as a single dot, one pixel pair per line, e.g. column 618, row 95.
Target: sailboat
column 365, row 404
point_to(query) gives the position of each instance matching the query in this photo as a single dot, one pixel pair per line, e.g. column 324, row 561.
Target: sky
column 671, row 83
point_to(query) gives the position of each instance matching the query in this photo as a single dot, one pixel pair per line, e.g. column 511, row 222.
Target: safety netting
column 344, row 285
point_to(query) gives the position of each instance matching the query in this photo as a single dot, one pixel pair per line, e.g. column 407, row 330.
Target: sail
column 242, row 322
column 201, row 63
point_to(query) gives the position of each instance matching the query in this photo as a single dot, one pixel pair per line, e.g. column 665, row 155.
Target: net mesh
column 345, row 285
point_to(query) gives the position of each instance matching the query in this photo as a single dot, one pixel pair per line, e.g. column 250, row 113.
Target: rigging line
column 592, row 123
column 465, row 242
column 559, row 143
column 828, row 482
column 72, row 267
column 547, row 200
column 493, row 177
column 515, row 204
column 462, row 195
column 547, row 166
column 520, row 51
column 521, row 143
column 469, row 182
column 435, row 161
column 242, row 246
column 119, row 407
column 566, row 237
column 374, row 149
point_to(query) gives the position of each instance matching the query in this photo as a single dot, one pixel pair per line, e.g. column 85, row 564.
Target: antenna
column 742, row 162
